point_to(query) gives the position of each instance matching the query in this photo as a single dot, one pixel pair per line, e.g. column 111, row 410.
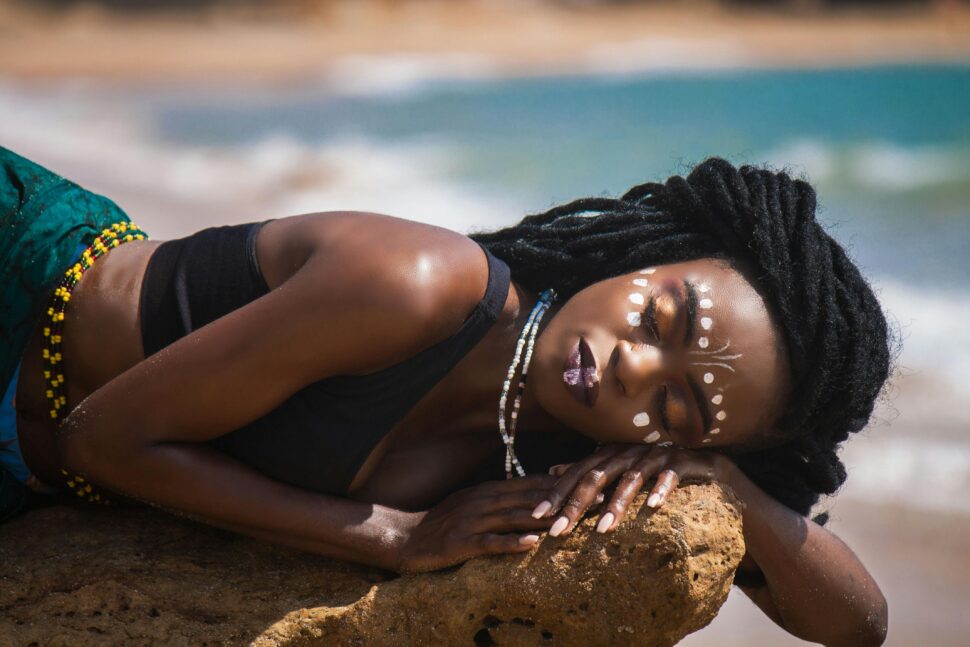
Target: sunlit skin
column 664, row 376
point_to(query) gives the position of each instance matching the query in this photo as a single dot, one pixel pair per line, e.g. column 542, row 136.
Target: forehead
column 735, row 355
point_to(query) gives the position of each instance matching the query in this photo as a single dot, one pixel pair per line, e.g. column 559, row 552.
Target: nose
column 637, row 367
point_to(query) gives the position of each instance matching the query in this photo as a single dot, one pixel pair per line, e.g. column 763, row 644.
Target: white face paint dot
column 641, row 419
column 706, row 323
column 717, row 399
column 633, row 318
column 652, row 437
column 703, row 342
column 708, row 378
column 703, row 287
column 721, row 415
column 649, row 270
column 706, row 303
column 636, row 297
column 715, row 430
column 641, row 282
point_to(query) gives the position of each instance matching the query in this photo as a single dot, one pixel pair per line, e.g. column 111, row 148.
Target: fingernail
column 653, row 500
column 559, row 526
column 529, row 540
column 541, row 510
column 605, row 522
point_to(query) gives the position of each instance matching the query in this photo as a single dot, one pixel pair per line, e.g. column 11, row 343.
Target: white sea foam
column 116, row 152
column 402, row 73
column 661, row 54
column 933, row 324
column 909, row 472
column 878, row 166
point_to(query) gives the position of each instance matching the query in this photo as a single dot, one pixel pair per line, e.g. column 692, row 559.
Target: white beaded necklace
column 530, row 329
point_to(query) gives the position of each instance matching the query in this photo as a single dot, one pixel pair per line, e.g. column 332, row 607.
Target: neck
column 470, row 392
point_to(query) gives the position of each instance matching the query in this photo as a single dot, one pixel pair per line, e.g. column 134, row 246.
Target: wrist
column 730, row 475
column 396, row 535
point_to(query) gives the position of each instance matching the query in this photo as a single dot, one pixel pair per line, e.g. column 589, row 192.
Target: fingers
column 527, row 499
column 666, row 482
column 491, row 543
column 508, row 521
column 569, row 476
column 629, row 486
column 585, row 492
column 559, row 470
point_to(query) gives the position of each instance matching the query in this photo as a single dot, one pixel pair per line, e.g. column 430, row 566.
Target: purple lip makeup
column 580, row 374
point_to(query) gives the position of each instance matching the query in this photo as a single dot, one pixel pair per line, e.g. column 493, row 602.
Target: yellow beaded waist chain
column 116, row 234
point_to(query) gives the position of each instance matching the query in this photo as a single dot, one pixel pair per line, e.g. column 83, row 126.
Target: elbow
column 79, row 447
column 877, row 624
column 871, row 630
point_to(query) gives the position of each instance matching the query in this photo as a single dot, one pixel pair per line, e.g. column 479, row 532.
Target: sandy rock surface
column 140, row 577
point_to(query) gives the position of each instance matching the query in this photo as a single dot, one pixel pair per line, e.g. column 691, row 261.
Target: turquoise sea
column 887, row 148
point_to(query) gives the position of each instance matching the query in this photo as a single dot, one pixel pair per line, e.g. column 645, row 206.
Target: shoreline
column 438, row 39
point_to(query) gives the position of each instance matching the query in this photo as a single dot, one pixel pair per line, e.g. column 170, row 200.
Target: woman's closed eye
column 663, row 401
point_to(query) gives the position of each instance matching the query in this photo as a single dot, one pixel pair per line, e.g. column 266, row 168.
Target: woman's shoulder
column 424, row 277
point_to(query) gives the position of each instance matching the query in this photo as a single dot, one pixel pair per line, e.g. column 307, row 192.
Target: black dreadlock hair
column 834, row 330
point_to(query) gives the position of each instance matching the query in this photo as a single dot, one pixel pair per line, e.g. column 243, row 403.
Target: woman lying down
column 401, row 395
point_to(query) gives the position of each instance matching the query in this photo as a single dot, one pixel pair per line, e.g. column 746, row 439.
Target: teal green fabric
column 43, row 218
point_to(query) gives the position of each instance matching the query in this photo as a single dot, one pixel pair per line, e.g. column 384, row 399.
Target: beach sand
column 495, row 38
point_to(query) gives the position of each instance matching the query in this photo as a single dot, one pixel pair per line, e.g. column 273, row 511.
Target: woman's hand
column 581, row 484
column 484, row 519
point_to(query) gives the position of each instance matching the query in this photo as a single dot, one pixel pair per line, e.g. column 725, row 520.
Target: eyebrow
column 691, row 311
column 695, row 387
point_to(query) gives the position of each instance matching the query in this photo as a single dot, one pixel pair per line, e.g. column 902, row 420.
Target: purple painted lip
column 580, row 375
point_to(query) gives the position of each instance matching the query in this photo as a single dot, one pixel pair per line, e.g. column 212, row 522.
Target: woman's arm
column 816, row 588
column 199, row 483
column 351, row 308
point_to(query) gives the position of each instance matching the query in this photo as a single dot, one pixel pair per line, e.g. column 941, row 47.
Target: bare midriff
column 101, row 339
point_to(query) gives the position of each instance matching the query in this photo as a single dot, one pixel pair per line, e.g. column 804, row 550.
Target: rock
column 103, row 576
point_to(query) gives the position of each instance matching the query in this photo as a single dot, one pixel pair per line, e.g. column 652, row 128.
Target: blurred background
column 470, row 114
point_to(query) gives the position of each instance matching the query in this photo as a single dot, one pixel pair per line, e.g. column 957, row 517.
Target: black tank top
column 318, row 438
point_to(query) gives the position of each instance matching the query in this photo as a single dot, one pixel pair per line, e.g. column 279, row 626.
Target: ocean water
column 887, row 148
